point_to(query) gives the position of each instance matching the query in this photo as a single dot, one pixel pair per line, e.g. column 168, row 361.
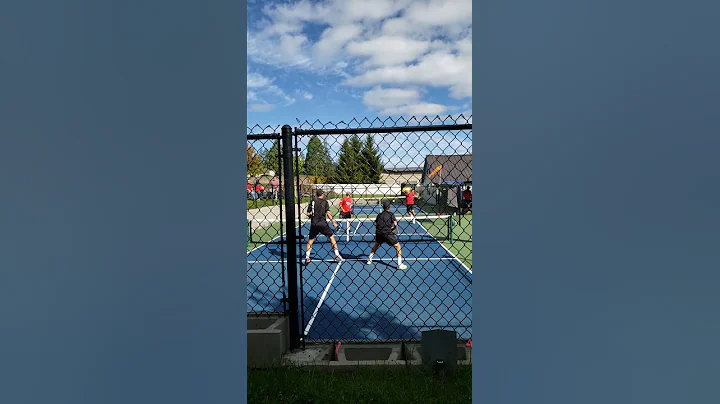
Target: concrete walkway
column 260, row 216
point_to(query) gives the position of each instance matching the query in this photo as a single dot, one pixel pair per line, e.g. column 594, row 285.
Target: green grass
column 270, row 202
column 461, row 245
column 396, row 385
column 264, row 234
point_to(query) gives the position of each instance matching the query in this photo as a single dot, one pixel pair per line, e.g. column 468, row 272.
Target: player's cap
column 385, row 204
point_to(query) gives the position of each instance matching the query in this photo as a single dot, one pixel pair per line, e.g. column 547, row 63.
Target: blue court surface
column 353, row 301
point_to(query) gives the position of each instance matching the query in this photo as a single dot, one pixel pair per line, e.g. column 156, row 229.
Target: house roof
column 402, row 169
column 447, row 168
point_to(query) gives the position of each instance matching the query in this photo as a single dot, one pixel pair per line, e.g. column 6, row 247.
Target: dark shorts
column 467, row 204
column 320, row 228
column 389, row 239
column 345, row 215
column 410, row 208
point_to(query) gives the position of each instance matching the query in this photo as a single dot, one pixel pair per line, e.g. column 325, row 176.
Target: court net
column 359, row 229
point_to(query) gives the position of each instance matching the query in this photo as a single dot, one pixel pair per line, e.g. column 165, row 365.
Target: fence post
column 290, row 229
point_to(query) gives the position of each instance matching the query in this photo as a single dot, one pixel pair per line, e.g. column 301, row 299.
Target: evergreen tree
column 350, row 168
column 372, row 161
column 317, row 159
column 271, row 155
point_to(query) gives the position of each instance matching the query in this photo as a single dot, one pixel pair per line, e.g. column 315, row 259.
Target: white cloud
column 306, row 95
column 255, row 80
column 397, row 101
column 333, row 40
column 260, row 88
column 441, row 12
column 404, row 45
column 439, row 69
column 389, row 50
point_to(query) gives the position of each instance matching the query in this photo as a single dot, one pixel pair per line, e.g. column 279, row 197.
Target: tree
column 254, row 162
column 271, row 155
column 350, row 167
column 317, row 159
column 372, row 161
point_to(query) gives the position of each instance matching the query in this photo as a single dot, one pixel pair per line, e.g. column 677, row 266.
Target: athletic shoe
column 339, row 258
column 402, row 266
column 369, row 262
column 307, row 260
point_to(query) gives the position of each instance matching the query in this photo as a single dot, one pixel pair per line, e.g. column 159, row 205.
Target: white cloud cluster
column 260, row 88
column 389, row 48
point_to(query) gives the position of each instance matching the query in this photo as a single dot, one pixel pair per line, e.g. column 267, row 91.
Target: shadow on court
column 372, row 324
column 334, row 324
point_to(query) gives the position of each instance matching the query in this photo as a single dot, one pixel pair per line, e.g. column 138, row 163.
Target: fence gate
column 270, row 244
column 351, row 300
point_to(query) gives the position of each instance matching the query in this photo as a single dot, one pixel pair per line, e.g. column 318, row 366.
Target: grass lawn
column 269, row 202
column 462, row 240
column 364, row 385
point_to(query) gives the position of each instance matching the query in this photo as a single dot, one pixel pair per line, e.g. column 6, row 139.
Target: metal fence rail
column 353, row 300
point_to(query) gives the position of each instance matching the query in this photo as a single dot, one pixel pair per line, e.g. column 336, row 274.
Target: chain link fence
column 423, row 168
column 266, row 271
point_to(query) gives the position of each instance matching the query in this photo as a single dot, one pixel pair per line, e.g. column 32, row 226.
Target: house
column 443, row 179
column 447, row 168
column 401, row 175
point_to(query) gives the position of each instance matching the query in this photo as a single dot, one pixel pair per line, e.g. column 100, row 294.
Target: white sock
column 307, row 254
column 399, row 260
column 370, row 256
column 337, row 253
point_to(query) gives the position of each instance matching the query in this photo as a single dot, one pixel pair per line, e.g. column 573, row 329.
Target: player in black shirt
column 385, row 228
column 319, row 211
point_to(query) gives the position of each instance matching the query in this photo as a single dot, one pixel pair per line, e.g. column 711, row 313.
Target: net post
column 249, row 232
column 292, row 261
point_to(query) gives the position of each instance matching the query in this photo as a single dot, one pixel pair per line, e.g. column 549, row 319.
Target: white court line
column 449, row 252
column 322, row 298
column 362, row 259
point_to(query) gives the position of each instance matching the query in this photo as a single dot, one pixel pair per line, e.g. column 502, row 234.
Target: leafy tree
column 317, row 159
column 372, row 161
column 254, row 162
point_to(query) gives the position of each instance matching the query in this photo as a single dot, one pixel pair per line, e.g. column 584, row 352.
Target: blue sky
column 344, row 59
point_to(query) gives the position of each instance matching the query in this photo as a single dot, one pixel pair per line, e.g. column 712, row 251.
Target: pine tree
column 372, row 161
column 270, row 158
column 350, row 168
column 317, row 159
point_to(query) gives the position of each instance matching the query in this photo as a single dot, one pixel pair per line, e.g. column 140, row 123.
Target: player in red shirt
column 410, row 202
column 467, row 200
column 346, row 206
